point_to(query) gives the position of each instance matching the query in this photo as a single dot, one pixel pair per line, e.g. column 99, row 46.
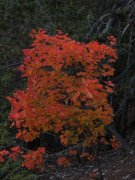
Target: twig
column 125, row 30
column 10, row 65
column 96, row 24
column 64, row 151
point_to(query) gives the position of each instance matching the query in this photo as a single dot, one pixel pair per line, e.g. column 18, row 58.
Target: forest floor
column 115, row 165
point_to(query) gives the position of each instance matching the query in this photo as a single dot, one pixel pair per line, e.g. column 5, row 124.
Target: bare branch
column 10, row 65
column 96, row 25
column 65, row 151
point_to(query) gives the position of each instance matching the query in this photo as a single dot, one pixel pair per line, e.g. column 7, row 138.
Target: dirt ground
column 115, row 165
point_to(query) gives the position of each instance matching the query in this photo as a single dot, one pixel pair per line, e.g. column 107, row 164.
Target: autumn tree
column 66, row 94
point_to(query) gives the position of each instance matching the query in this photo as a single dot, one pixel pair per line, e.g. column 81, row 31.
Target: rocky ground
column 115, row 165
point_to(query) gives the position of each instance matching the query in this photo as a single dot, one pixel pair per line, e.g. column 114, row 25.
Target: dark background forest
column 84, row 21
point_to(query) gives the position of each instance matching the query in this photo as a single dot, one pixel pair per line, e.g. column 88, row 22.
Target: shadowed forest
column 71, row 26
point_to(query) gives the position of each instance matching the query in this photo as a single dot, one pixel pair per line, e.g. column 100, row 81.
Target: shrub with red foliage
column 66, row 92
